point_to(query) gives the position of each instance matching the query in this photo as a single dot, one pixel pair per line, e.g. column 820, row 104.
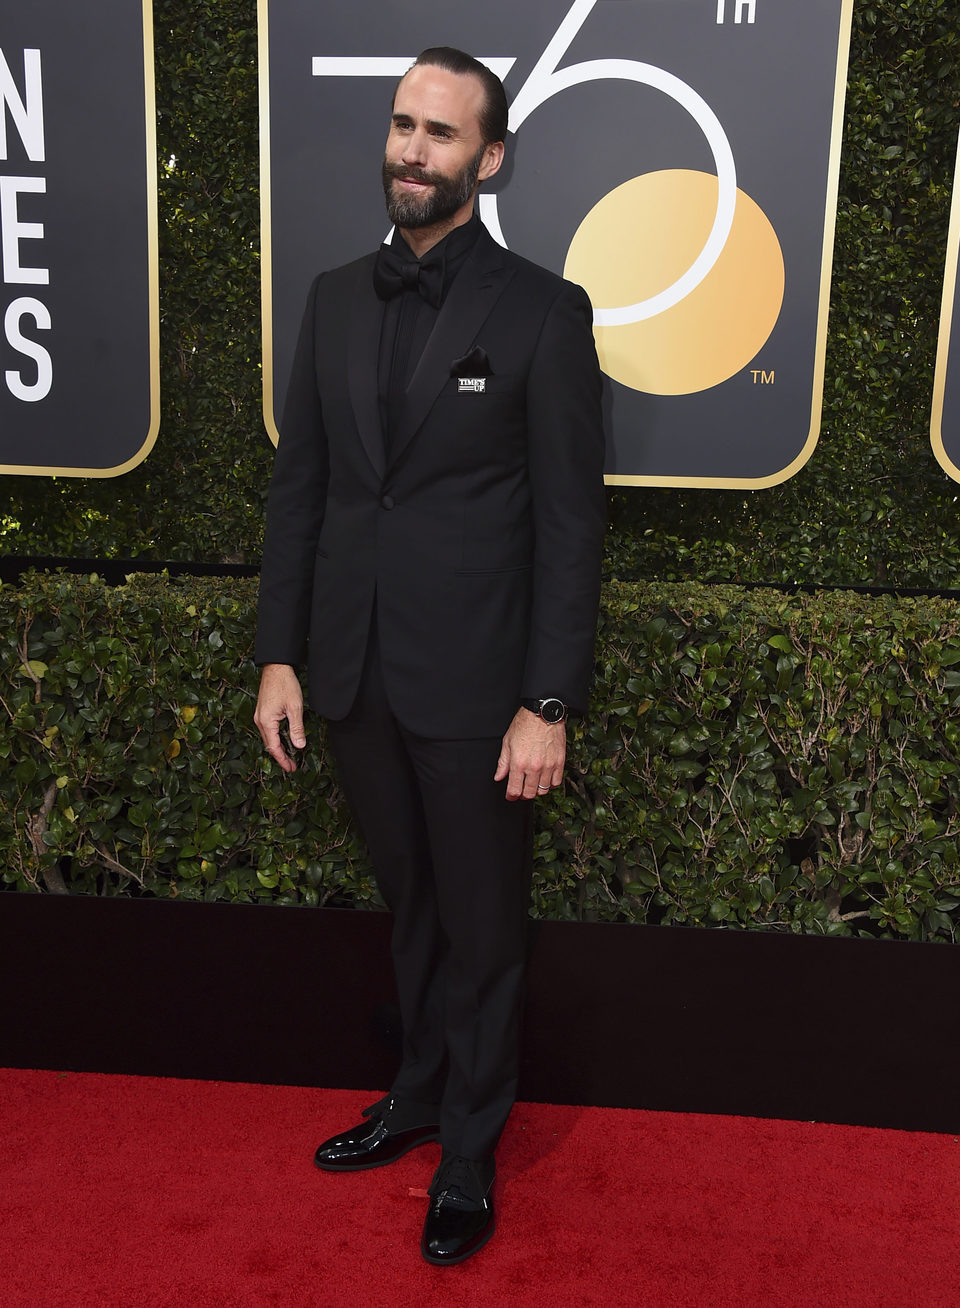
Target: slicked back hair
column 494, row 113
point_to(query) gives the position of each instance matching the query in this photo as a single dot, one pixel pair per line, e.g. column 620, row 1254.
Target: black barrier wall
column 621, row 1016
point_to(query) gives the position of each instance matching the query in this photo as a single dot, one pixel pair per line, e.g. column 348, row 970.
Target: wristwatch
column 551, row 710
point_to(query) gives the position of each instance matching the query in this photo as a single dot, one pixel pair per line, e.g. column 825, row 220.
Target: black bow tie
column 392, row 273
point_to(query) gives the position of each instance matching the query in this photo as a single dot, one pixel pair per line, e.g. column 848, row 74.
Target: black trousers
column 452, row 859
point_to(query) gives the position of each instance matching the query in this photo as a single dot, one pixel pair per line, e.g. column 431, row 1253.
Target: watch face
column 553, row 710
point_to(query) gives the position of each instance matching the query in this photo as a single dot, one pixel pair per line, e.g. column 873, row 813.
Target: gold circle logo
column 637, row 241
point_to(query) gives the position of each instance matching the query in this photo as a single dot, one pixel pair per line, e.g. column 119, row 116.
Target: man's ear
column 491, row 161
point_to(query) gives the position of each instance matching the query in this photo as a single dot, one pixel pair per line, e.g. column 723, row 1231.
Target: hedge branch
column 36, row 826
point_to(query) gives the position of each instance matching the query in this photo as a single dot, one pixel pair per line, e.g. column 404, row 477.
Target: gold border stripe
column 946, row 327
column 266, row 231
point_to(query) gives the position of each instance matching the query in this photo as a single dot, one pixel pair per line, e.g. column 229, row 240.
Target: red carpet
column 132, row 1191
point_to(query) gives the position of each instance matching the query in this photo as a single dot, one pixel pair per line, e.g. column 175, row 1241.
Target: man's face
column 435, row 155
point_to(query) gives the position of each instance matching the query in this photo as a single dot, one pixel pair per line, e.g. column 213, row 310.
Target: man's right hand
column 280, row 698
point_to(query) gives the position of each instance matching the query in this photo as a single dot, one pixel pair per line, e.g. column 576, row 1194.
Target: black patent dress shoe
column 460, row 1219
column 391, row 1130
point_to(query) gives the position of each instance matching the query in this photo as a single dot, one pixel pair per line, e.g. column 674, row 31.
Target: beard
column 447, row 196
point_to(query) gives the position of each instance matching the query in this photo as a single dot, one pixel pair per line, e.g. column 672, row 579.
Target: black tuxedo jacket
column 479, row 541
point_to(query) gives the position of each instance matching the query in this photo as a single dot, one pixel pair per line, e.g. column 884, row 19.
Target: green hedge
column 871, row 506
column 753, row 760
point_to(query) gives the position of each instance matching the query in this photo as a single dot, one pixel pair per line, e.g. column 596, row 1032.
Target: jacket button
column 387, row 502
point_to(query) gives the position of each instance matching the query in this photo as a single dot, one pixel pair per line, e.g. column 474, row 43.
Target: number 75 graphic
column 547, row 80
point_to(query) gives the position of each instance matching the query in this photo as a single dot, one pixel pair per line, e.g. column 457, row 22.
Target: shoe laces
column 457, row 1179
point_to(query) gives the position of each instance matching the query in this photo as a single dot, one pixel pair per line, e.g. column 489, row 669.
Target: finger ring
column 543, row 787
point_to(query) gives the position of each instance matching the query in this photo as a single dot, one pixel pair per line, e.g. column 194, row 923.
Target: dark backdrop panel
column 655, row 83
column 92, row 236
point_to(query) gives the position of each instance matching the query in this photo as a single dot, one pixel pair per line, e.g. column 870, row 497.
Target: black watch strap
column 550, row 709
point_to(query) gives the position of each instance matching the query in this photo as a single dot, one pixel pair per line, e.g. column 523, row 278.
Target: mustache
column 404, row 174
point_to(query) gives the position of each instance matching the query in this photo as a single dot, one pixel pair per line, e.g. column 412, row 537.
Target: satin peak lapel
column 366, row 315
column 476, row 289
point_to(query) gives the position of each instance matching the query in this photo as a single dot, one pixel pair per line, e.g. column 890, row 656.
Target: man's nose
column 415, row 147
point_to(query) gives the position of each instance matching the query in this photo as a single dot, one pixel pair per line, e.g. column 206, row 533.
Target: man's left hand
column 532, row 755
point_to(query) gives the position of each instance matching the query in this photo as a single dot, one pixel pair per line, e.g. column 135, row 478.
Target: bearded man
column 432, row 551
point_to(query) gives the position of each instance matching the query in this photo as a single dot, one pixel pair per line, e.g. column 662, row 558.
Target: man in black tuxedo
column 433, row 547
